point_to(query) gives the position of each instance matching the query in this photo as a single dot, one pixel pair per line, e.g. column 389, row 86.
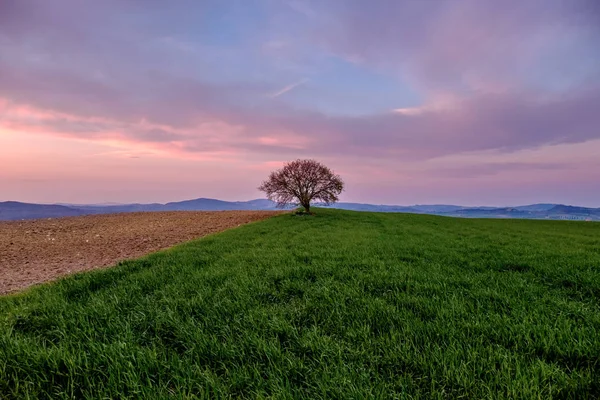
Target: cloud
column 506, row 122
column 497, row 168
column 149, row 78
column 445, row 45
column 89, row 77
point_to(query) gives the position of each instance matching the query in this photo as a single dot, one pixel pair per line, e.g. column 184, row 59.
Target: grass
column 340, row 305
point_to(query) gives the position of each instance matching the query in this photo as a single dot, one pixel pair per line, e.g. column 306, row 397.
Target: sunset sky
column 469, row 102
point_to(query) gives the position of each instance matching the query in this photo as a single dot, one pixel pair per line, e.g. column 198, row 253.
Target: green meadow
column 340, row 305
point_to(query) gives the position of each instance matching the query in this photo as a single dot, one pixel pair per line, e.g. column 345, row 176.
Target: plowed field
column 36, row 251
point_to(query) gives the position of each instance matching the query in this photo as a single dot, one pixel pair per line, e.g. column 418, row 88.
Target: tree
column 302, row 181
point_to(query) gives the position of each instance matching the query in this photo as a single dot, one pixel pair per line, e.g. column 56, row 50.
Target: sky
column 470, row 102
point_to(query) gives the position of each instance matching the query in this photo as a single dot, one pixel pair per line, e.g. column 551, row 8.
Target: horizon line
column 113, row 204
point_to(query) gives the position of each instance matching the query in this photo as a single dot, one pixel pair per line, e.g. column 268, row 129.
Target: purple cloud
column 445, row 44
column 204, row 77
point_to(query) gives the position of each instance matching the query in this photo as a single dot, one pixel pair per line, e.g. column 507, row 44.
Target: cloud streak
column 288, row 88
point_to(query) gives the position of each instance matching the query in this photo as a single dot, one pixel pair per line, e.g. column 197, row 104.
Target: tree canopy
column 301, row 182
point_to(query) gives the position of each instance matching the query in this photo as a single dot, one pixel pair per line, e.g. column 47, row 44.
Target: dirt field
column 41, row 250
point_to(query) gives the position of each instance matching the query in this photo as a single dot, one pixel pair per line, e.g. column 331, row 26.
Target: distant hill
column 536, row 211
column 12, row 210
column 435, row 208
column 370, row 207
column 535, row 207
column 219, row 205
column 570, row 211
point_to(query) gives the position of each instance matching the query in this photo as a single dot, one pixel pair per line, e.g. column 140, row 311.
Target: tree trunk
column 306, row 207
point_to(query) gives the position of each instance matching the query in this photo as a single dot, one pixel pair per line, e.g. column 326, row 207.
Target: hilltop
column 339, row 305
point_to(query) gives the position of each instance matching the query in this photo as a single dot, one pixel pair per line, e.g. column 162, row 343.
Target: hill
column 340, row 305
column 220, row 205
column 15, row 211
column 562, row 210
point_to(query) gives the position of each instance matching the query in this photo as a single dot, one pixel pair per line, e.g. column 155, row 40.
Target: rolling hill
column 338, row 305
column 16, row 210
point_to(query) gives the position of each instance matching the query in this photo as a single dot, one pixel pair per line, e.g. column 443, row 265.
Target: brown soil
column 36, row 251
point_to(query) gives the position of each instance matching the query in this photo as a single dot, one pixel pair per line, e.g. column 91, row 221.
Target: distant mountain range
column 532, row 211
column 12, row 210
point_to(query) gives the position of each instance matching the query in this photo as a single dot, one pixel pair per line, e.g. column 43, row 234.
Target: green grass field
column 340, row 305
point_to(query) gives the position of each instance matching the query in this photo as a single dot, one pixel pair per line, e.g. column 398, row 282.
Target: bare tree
column 302, row 181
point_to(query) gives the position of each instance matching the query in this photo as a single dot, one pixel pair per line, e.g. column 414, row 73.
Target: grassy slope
column 341, row 305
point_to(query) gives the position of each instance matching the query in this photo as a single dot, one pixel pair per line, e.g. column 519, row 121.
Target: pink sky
column 466, row 103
